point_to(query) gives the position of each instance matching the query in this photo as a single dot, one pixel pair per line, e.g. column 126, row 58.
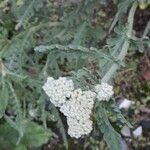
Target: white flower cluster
column 76, row 104
column 104, row 91
column 77, row 128
column 78, row 111
column 58, row 90
column 80, row 104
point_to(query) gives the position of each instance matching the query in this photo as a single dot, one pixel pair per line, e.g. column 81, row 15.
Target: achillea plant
column 46, row 47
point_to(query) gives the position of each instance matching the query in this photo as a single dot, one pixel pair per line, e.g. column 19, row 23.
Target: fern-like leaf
column 27, row 10
column 114, row 110
column 73, row 49
column 111, row 137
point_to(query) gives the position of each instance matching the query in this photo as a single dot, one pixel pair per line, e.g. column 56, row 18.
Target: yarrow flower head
column 78, row 110
column 58, row 90
column 104, row 91
column 76, row 104
column 77, row 128
column 80, row 105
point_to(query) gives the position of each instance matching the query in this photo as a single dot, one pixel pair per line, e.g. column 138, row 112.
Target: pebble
column 125, row 131
column 138, row 132
column 125, row 103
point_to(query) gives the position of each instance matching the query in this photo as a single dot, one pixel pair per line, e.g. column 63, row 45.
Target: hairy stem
column 125, row 45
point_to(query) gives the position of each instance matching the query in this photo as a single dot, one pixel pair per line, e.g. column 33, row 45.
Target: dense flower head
column 77, row 128
column 78, row 110
column 79, row 105
column 58, row 90
column 76, row 104
column 104, row 91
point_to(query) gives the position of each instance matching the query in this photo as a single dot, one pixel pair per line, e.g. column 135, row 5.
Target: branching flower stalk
column 125, row 45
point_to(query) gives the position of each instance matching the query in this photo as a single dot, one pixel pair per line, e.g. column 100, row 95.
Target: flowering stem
column 125, row 45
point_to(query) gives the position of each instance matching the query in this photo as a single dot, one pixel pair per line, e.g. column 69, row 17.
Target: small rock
column 137, row 132
column 125, row 131
column 125, row 103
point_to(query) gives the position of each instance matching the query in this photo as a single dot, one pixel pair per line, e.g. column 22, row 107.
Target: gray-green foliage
column 111, row 137
column 34, row 136
column 40, row 38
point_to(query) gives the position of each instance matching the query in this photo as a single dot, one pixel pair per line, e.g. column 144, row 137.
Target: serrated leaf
column 8, row 137
column 18, row 126
column 25, row 12
column 111, row 137
column 34, row 136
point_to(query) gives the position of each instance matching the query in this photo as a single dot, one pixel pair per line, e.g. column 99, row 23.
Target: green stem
column 125, row 45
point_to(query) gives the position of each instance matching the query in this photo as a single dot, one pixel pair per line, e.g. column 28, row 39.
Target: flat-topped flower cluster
column 78, row 110
column 76, row 104
column 58, row 90
column 104, row 91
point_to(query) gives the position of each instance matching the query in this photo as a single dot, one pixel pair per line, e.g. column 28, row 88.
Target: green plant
column 59, row 38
